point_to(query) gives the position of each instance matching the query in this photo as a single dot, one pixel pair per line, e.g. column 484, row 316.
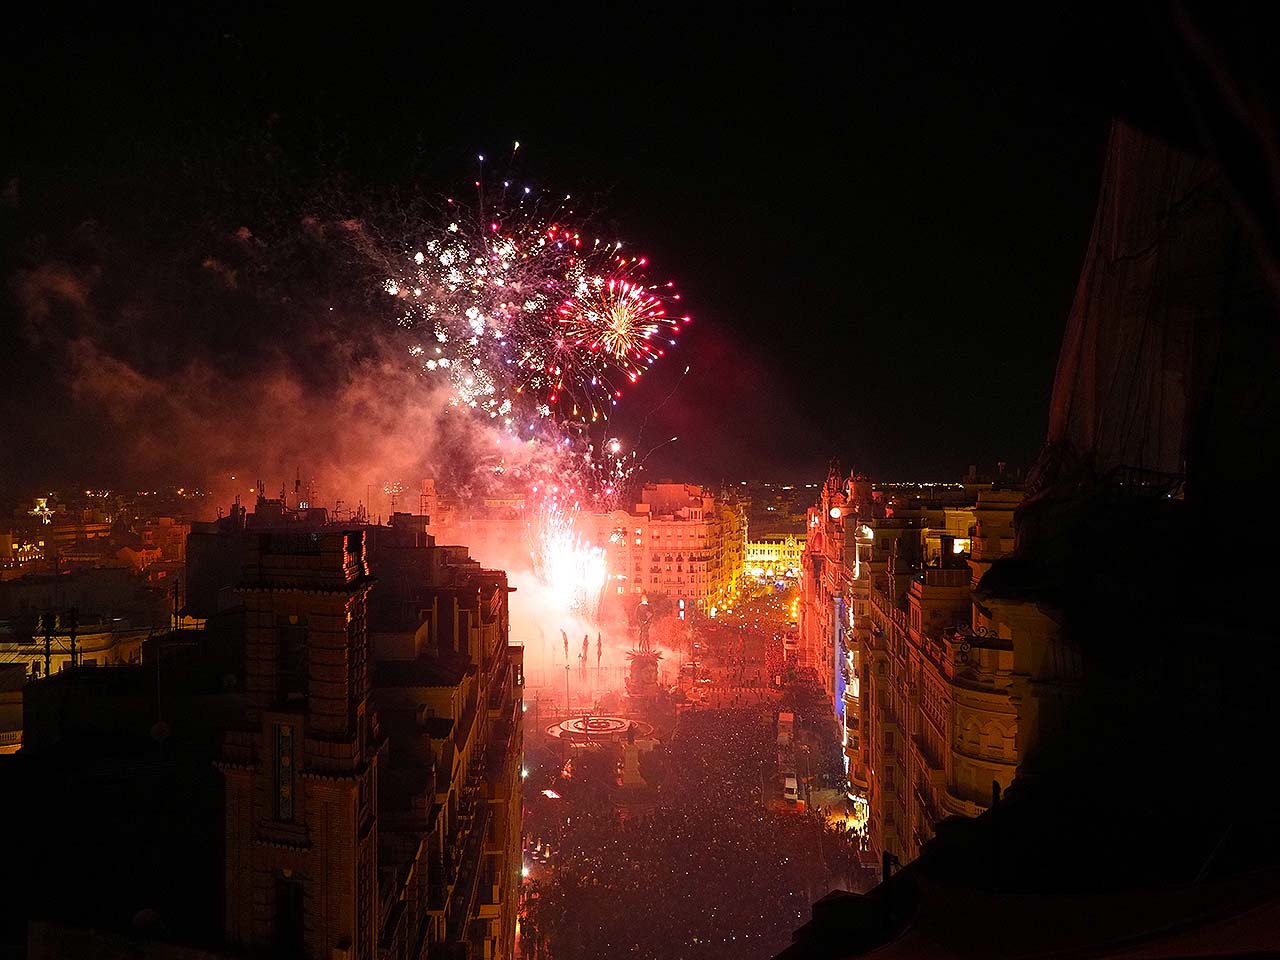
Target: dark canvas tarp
column 1153, row 265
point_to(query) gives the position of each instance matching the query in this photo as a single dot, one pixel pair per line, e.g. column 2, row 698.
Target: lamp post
column 808, row 772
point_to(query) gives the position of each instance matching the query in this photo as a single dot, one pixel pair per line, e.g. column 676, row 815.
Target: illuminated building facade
column 834, row 601
column 696, row 545
column 934, row 689
column 775, row 555
column 946, row 718
column 624, row 537
column 679, row 540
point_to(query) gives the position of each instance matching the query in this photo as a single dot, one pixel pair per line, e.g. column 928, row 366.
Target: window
column 284, row 805
column 287, row 933
column 291, row 664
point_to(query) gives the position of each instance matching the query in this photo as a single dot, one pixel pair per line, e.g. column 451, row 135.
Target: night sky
column 877, row 224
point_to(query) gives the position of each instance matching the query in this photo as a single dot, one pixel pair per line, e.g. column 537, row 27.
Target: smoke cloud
column 221, row 352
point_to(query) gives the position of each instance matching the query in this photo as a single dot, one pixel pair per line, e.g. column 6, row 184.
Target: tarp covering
column 1155, row 266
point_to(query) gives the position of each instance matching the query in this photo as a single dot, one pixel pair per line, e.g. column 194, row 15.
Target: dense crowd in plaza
column 710, row 871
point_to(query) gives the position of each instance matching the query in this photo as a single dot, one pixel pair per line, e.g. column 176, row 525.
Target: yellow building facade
column 944, row 687
column 775, row 556
column 694, row 545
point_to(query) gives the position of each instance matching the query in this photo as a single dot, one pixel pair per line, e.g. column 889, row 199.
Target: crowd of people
column 708, row 869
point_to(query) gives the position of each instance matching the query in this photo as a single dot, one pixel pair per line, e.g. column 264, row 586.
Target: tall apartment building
column 301, row 772
column 449, row 691
column 373, row 796
column 696, row 545
column 340, row 775
column 836, row 565
column 936, row 680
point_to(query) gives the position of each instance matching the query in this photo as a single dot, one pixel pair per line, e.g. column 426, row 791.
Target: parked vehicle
column 786, row 729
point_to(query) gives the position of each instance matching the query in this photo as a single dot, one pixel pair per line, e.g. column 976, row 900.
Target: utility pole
column 73, row 622
column 48, row 642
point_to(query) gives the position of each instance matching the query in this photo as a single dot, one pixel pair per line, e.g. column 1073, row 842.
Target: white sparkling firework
column 522, row 312
column 573, row 571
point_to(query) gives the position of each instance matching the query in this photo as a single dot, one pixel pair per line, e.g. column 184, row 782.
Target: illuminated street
column 713, row 848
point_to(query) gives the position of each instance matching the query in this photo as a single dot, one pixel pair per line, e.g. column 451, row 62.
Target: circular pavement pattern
column 598, row 729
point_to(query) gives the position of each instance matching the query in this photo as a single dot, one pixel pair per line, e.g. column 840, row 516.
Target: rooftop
column 441, row 670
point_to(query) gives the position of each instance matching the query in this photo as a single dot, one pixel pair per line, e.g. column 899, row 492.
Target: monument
column 642, row 672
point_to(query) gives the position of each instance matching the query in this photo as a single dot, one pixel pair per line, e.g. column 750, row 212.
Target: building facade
column 678, row 540
column 448, row 687
column 373, row 804
column 302, row 772
column 696, row 545
column 775, row 555
column 937, row 686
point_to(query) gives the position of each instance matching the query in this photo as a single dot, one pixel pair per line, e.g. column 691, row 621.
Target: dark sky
column 876, row 223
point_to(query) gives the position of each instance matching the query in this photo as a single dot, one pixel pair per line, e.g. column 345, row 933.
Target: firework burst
column 574, row 571
column 525, row 318
column 536, row 326
column 620, row 319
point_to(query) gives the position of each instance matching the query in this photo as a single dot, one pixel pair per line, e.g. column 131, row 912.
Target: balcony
column 947, row 576
column 931, row 763
column 926, row 805
column 463, row 901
